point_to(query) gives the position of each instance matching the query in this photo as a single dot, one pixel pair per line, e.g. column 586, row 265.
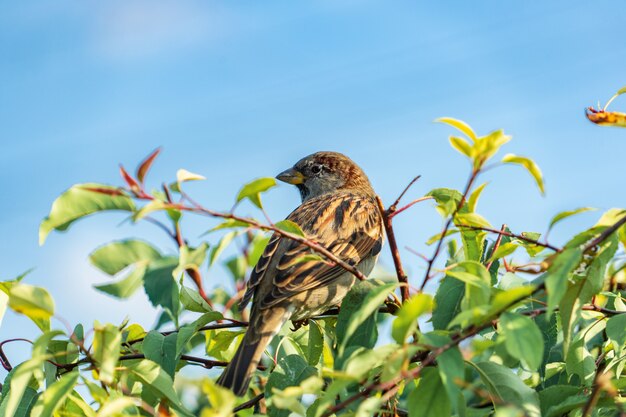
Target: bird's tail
column 238, row 373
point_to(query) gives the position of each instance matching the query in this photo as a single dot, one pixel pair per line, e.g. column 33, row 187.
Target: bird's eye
column 316, row 169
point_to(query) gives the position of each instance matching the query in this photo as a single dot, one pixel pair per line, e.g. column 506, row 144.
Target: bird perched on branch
column 340, row 213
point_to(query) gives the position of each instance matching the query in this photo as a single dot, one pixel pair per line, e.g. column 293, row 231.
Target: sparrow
column 338, row 211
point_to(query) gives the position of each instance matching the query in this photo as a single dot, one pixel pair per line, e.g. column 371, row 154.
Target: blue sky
column 238, row 90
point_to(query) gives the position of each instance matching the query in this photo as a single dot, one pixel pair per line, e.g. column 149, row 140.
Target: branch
column 392, row 386
column 431, row 261
column 387, row 216
column 496, row 245
column 395, row 203
column 605, row 234
column 197, row 208
column 250, row 403
column 193, row 273
column 509, row 234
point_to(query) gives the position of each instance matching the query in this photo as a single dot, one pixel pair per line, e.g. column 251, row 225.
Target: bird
column 339, row 211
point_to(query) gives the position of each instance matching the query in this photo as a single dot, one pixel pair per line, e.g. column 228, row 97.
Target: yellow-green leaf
column 107, row 341
column 565, row 214
column 461, row 145
column 411, row 310
column 290, row 227
column 472, row 201
column 471, row 219
column 530, row 166
column 459, row 125
column 34, row 302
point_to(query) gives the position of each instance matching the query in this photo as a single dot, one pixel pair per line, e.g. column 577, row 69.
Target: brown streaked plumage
column 339, row 212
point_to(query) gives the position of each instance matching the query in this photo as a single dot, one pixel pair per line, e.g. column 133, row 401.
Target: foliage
column 516, row 326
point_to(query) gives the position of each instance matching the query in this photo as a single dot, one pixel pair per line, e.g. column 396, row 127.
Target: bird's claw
column 298, row 324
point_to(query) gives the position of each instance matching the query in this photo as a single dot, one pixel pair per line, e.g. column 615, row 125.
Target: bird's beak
column 291, row 176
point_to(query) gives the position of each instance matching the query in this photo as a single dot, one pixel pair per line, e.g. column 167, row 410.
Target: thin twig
column 193, row 273
column 250, row 403
column 496, row 245
column 392, row 386
column 513, row 235
column 595, row 393
column 411, row 204
column 606, row 233
column 395, row 203
column 197, row 208
column 432, row 260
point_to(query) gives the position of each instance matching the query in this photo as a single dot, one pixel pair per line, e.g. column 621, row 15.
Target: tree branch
column 250, row 403
column 393, row 247
column 509, row 234
column 432, row 260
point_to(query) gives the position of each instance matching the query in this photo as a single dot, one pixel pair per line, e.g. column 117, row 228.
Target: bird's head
column 325, row 172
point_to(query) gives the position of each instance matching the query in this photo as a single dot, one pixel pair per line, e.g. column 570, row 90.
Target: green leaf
column 229, row 224
column 34, row 302
column 447, row 302
column 565, row 214
column 477, row 283
column 162, row 350
column 447, row 201
column 406, row 322
column 362, row 361
column 125, row 287
column 186, row 332
column 107, row 341
column 558, row 400
column 358, row 307
column 472, row 219
column 451, row 366
column 160, row 286
column 192, row 301
column 157, row 380
column 579, row 360
column 191, row 258
column 4, row 302
column 115, row 407
column 316, row 343
column 558, row 274
column 472, row 201
column 459, row 125
column 222, row 400
column 183, row 175
column 115, row 256
column 487, row 146
column 429, row 399
column 51, row 399
column 530, row 165
column 219, row 248
column 290, row 227
column 523, row 339
column 221, row 345
column 151, row 207
column 461, row 145
column 507, row 387
column 615, row 330
column 290, row 371
column 253, row 190
column 436, row 237
column 79, row 201
column 20, row 396
column 504, row 250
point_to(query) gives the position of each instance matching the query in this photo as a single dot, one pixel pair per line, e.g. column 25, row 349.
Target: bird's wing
column 347, row 224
